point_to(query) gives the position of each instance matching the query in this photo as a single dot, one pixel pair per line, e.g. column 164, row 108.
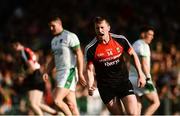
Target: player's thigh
column 152, row 97
column 115, row 106
column 60, row 93
column 35, row 96
column 66, row 79
column 130, row 103
column 71, row 98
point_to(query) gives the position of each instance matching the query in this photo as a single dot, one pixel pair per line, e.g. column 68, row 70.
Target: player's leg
column 109, row 99
column 59, row 95
column 154, row 103
column 35, row 98
column 130, row 104
column 65, row 83
column 71, row 97
column 115, row 107
column 71, row 102
column 44, row 107
column 139, row 105
column 128, row 98
column 137, row 92
column 48, row 109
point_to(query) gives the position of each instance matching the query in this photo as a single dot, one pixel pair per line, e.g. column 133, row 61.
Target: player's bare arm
column 80, row 66
column 145, row 67
column 141, row 77
column 90, row 74
column 48, row 69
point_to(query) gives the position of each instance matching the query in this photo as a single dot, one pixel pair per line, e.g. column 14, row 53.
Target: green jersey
column 142, row 50
column 62, row 47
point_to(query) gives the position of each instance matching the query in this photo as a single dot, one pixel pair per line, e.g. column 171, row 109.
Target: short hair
column 99, row 19
column 54, row 17
column 146, row 28
column 15, row 40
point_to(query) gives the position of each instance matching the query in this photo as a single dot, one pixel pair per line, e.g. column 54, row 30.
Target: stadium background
column 26, row 20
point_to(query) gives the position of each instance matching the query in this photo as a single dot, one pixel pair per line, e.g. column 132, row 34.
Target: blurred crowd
column 26, row 21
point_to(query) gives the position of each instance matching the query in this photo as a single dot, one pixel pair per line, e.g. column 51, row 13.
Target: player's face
column 149, row 35
column 55, row 27
column 102, row 29
column 16, row 46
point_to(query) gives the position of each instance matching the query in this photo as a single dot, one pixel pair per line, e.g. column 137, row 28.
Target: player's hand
column 45, row 77
column 82, row 80
column 149, row 84
column 141, row 80
column 91, row 90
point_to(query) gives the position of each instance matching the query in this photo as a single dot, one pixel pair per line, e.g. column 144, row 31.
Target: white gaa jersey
column 62, row 48
column 142, row 50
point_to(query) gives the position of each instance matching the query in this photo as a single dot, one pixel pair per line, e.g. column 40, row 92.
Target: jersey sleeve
column 88, row 56
column 74, row 41
column 126, row 45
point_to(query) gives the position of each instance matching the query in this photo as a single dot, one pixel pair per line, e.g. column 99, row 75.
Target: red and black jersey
column 27, row 55
column 108, row 60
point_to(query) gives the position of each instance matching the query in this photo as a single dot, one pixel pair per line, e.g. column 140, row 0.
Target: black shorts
column 107, row 93
column 34, row 81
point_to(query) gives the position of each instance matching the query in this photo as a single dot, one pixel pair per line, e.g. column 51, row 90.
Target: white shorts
column 67, row 78
column 141, row 91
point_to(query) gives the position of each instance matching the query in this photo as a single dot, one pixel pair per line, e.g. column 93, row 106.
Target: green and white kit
column 62, row 47
column 142, row 50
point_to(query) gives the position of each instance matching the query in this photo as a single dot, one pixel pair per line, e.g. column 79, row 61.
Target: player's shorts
column 149, row 87
column 34, row 81
column 66, row 78
column 107, row 93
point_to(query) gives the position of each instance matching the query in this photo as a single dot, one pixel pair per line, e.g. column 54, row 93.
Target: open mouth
column 100, row 34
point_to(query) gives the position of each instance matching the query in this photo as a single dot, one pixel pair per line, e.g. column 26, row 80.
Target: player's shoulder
column 91, row 44
column 120, row 39
column 27, row 49
column 117, row 36
column 139, row 42
column 69, row 33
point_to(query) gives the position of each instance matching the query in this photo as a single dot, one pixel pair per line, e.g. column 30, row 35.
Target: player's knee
column 71, row 106
column 133, row 112
column 139, row 106
column 58, row 102
column 34, row 105
column 157, row 103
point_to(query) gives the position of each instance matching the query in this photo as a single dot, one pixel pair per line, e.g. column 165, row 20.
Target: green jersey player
column 67, row 52
column 142, row 49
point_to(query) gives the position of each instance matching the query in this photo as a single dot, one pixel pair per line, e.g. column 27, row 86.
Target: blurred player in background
column 141, row 47
column 33, row 83
column 105, row 54
column 67, row 55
